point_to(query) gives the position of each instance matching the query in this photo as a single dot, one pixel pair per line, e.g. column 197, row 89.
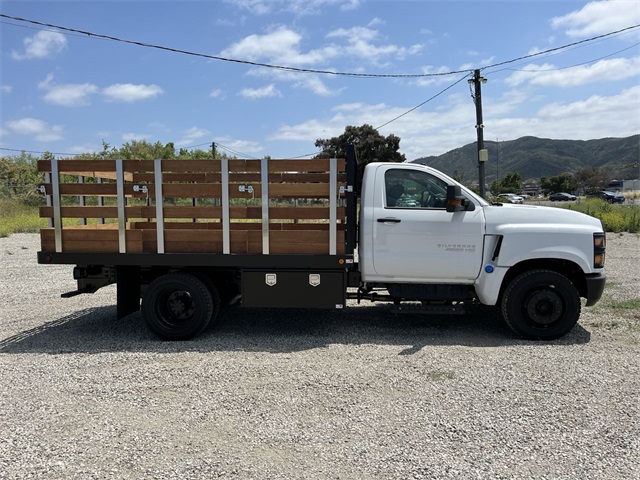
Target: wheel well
column 225, row 280
column 569, row 269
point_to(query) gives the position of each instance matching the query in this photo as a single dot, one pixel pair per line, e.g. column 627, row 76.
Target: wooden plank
column 234, row 177
column 72, row 166
column 303, row 165
column 191, row 190
column 202, row 212
column 99, row 240
column 79, row 165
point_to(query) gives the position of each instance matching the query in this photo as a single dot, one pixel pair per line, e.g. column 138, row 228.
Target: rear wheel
column 541, row 305
column 178, row 306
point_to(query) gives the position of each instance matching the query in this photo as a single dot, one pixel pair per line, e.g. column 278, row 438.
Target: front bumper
column 595, row 287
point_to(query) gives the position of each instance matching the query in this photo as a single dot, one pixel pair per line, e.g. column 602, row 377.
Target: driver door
column 415, row 238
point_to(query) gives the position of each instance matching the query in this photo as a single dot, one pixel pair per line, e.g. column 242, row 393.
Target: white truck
column 409, row 235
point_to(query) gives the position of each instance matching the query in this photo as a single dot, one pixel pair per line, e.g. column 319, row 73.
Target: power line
column 34, row 151
column 194, row 146
column 307, row 70
column 225, row 59
column 562, row 47
column 423, row 103
column 567, row 67
column 234, row 152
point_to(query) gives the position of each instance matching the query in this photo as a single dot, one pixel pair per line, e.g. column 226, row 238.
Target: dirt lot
column 304, row 394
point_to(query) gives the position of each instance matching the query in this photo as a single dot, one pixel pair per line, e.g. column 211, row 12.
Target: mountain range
column 536, row 157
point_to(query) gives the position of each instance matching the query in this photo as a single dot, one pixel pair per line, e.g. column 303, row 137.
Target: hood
column 537, row 218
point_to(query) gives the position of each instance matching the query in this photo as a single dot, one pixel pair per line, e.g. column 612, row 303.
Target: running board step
column 428, row 309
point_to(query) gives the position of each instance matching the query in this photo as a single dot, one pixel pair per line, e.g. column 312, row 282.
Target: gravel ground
column 301, row 394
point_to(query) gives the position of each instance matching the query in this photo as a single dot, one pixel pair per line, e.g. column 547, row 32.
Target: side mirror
column 456, row 202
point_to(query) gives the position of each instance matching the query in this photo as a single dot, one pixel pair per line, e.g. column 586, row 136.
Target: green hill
column 541, row 157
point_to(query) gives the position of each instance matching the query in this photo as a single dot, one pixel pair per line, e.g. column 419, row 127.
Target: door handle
column 389, row 220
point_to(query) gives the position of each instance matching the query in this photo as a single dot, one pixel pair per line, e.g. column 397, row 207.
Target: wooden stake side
column 197, row 227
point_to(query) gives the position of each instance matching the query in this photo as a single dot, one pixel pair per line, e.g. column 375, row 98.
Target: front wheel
column 177, row 306
column 541, row 305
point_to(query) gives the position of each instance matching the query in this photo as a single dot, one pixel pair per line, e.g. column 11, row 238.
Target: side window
column 406, row 188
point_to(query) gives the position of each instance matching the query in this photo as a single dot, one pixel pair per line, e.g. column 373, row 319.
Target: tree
column 510, row 183
column 370, row 146
column 19, row 178
column 593, row 178
column 565, row 182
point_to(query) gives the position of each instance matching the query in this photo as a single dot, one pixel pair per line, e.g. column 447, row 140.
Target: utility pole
column 497, row 159
column 483, row 155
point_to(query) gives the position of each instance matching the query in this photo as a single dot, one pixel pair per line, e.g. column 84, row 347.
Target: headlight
column 599, row 246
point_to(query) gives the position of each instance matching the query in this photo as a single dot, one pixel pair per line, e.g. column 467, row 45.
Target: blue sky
column 67, row 92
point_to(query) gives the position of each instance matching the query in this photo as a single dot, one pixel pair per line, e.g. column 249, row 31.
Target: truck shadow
column 96, row 330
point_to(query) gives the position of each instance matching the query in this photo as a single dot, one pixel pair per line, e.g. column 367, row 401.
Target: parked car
column 561, row 197
column 510, row 198
column 611, row 197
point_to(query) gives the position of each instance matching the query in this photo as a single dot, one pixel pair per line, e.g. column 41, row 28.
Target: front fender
column 573, row 243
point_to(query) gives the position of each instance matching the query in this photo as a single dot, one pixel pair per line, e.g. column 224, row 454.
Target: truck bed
column 222, row 206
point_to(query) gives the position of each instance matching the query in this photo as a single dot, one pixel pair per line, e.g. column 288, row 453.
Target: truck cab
column 425, row 237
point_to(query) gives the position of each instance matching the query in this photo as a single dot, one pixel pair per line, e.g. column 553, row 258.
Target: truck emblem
column 271, row 279
column 314, row 279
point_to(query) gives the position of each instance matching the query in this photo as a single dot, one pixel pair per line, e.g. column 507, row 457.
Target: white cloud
column 436, row 78
column 421, row 132
column 79, row 94
column 128, row 92
column 314, row 83
column 6, row 88
column 361, row 43
column 450, row 125
column 297, row 7
column 255, row 7
column 43, row 44
column 283, row 46
column 264, row 92
column 595, row 117
column 240, row 146
column 39, row 130
column 127, row 137
column 193, row 135
column 84, row 148
column 217, row 93
column 602, row 115
column 602, row 71
column 599, row 17
column 67, row 95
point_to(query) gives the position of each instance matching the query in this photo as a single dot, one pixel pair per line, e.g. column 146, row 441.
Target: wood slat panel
column 235, row 177
column 82, row 239
column 208, row 212
column 79, row 165
column 196, row 190
column 310, row 165
column 234, row 226
column 205, row 166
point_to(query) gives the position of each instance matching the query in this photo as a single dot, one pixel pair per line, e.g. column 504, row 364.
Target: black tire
column 215, row 294
column 177, row 306
column 541, row 305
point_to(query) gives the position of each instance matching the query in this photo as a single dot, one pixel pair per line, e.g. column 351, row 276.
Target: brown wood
column 292, row 230
column 82, row 239
column 72, row 166
column 203, row 213
column 233, row 177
